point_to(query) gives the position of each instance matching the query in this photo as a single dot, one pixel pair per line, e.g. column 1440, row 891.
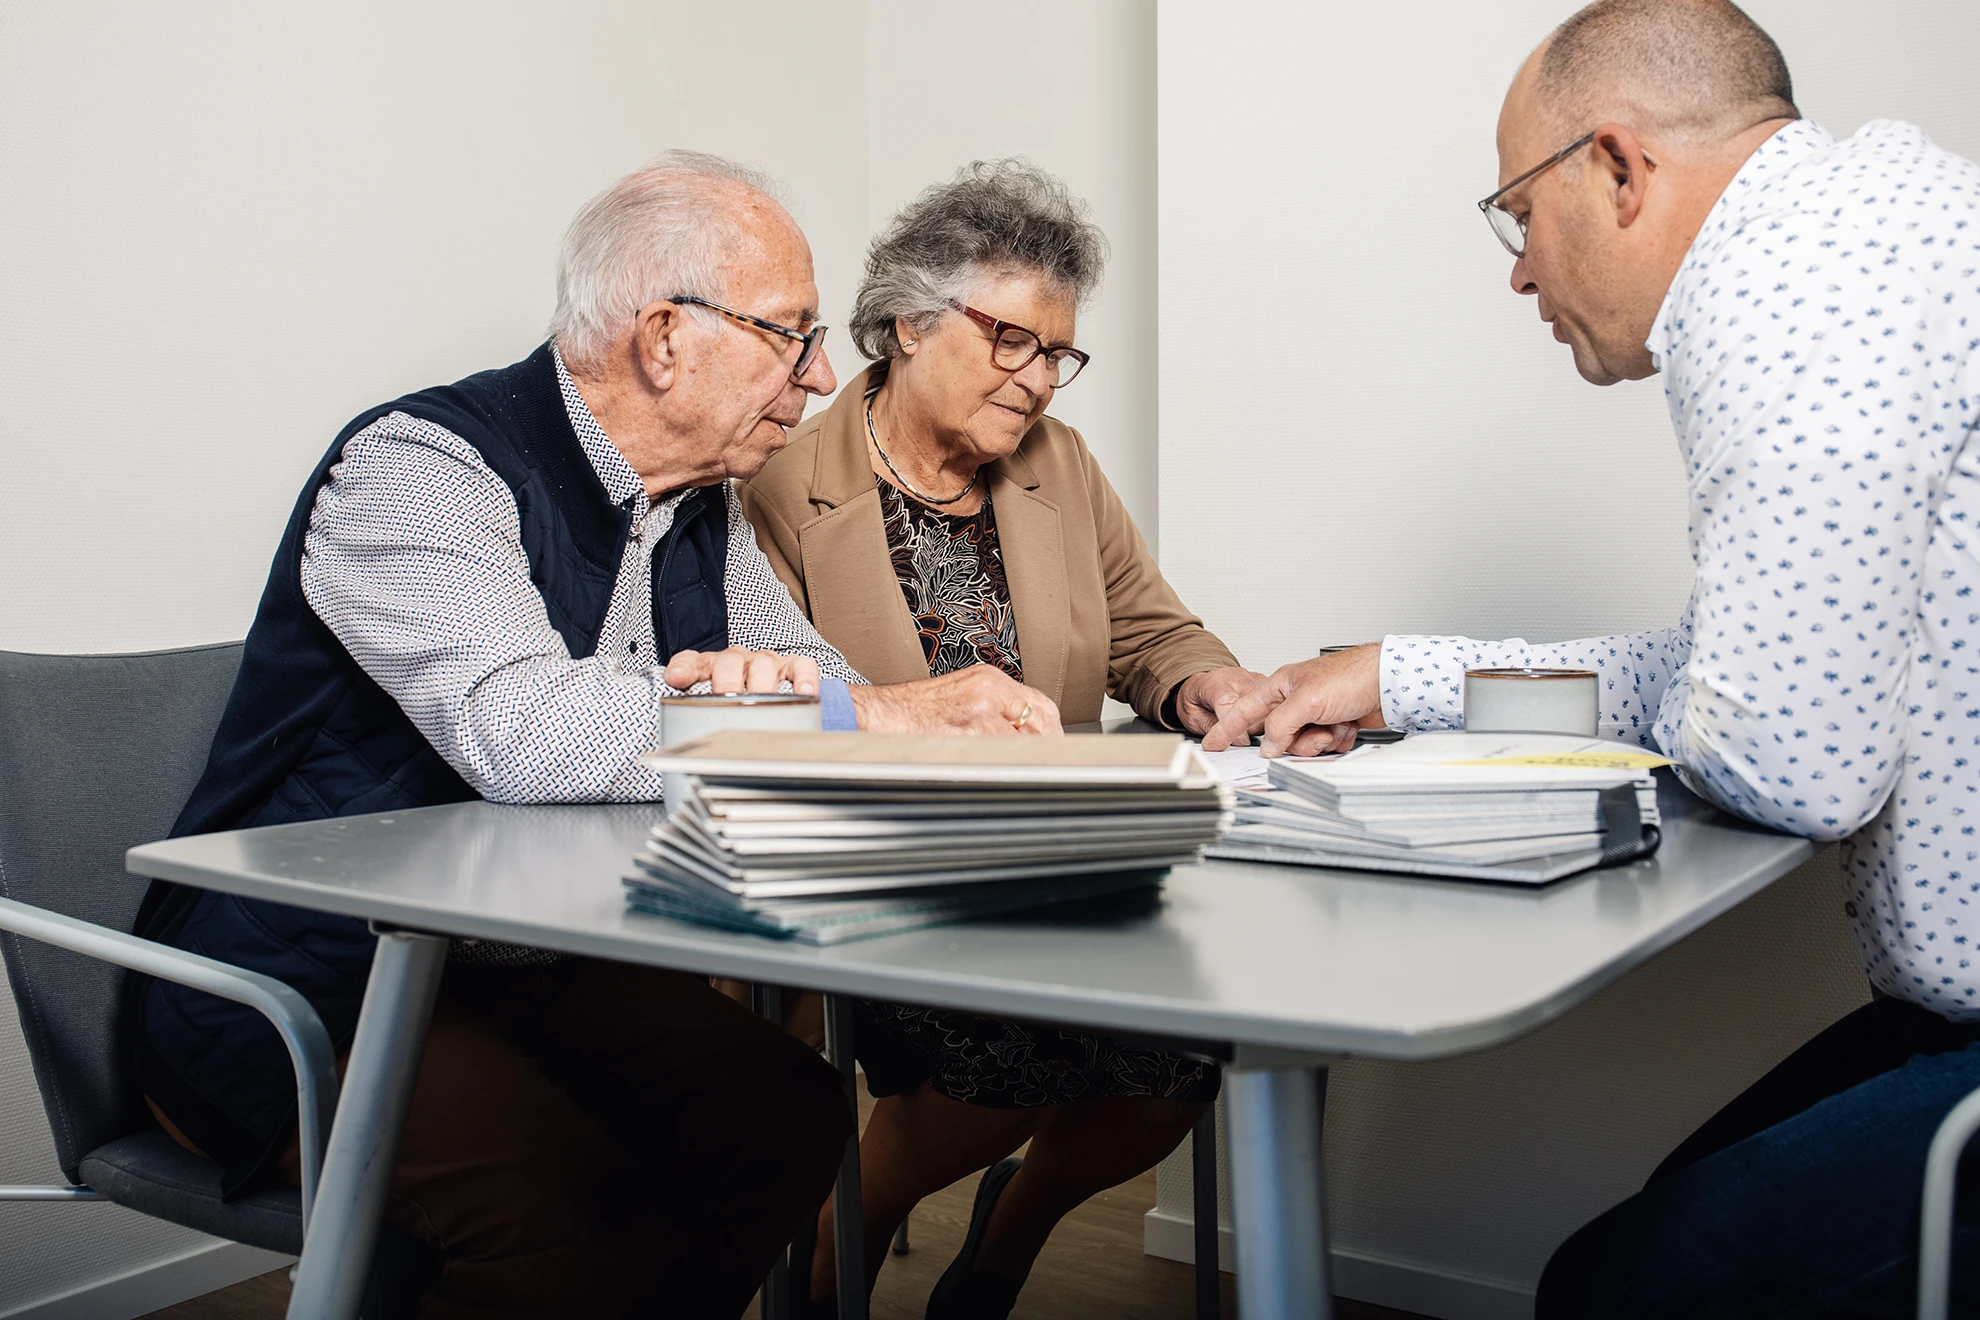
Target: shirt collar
column 1747, row 194
column 620, row 481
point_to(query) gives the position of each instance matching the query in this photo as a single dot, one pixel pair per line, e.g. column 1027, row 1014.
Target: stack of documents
column 825, row 837
column 1517, row 807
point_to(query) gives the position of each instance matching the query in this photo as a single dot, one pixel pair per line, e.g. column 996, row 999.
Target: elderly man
column 474, row 598
column 1812, row 306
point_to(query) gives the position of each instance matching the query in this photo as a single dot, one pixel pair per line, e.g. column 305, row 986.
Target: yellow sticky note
column 1618, row 760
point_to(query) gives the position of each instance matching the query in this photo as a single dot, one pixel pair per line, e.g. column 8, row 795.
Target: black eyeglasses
column 1012, row 347
column 812, row 339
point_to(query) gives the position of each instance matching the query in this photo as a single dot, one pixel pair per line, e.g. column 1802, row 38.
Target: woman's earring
column 910, row 343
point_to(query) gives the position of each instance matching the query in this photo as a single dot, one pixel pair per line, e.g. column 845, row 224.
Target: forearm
column 500, row 699
column 554, row 730
column 1422, row 678
column 1150, row 680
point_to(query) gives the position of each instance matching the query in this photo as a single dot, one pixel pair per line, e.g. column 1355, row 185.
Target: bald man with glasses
column 1812, row 305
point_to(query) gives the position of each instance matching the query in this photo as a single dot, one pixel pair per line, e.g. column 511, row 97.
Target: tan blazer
column 1094, row 614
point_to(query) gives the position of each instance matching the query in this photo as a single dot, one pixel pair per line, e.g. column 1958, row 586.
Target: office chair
column 97, row 755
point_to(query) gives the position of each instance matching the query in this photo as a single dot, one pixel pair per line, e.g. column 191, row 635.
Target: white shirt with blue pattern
column 1818, row 346
column 414, row 559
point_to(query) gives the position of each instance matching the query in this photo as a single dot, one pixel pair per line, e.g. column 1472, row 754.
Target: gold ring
column 1024, row 717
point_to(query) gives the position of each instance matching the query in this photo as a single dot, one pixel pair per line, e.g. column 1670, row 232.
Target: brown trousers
column 596, row 1139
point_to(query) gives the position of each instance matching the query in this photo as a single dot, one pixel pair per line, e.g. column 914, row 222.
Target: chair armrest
column 290, row 1014
column 1935, row 1226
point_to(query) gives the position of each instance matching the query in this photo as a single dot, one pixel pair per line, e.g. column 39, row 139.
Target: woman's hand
column 1203, row 698
column 741, row 670
column 980, row 699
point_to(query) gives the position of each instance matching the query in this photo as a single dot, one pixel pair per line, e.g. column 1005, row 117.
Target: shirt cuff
column 835, row 706
column 1423, row 681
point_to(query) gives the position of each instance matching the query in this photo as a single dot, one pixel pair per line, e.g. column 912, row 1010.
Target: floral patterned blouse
column 951, row 571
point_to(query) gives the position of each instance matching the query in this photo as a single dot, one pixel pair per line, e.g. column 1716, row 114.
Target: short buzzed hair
column 1690, row 68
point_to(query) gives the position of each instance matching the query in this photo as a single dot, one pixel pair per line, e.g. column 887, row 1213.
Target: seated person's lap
column 585, row 1133
column 1801, row 1197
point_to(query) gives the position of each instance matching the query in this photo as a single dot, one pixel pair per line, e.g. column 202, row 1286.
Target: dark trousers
column 595, row 1139
column 1800, row 1198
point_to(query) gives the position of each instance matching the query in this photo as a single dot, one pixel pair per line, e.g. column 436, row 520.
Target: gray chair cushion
column 97, row 754
column 152, row 1173
column 149, row 1171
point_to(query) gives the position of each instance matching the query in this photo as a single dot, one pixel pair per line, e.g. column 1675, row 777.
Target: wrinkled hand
column 1309, row 708
column 1204, row 697
column 741, row 670
column 980, row 699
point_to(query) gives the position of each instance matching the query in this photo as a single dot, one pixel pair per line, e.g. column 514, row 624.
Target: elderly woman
column 934, row 518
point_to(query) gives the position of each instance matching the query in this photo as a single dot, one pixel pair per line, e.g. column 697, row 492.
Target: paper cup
column 686, row 717
column 1530, row 701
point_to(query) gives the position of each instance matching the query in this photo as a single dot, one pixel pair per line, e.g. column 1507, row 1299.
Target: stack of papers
column 825, row 837
column 1516, row 807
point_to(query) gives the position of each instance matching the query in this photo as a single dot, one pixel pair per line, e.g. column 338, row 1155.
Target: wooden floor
column 1092, row 1269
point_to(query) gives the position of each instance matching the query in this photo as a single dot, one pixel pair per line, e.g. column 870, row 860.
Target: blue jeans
column 1798, row 1199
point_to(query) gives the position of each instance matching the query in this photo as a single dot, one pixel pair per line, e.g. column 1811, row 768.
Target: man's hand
column 1309, row 708
column 740, row 670
column 980, row 699
column 1204, row 697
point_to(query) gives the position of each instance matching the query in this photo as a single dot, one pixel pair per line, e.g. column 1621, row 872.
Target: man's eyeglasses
column 812, row 339
column 1511, row 229
column 1012, row 347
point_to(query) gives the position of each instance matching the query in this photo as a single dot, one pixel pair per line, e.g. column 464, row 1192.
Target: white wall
column 1073, row 89
column 226, row 228
column 230, row 227
column 1364, row 431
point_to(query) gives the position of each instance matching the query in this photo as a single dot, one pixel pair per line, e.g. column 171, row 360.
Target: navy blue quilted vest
column 307, row 734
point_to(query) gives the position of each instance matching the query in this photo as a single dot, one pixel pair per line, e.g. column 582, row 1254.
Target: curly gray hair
column 994, row 216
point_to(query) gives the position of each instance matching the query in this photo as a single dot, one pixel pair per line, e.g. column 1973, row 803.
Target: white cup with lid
column 1531, row 701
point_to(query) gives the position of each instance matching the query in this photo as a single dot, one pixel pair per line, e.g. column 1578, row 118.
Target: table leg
column 1203, row 1182
column 774, row 1303
column 364, row 1139
column 1277, row 1193
column 848, row 1218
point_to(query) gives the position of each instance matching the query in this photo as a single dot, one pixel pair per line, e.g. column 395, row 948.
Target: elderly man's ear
column 657, row 342
column 1625, row 172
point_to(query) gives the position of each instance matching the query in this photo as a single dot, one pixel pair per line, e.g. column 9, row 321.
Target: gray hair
column 995, row 216
column 662, row 231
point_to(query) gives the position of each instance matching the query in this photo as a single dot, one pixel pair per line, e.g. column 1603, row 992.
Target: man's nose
column 1522, row 282
column 818, row 378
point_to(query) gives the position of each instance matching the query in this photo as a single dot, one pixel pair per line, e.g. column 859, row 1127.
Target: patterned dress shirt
column 414, row 559
column 1818, row 347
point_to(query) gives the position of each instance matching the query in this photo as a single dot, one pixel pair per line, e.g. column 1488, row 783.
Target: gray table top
column 1334, row 962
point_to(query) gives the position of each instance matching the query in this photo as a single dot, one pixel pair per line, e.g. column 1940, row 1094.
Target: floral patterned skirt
column 1001, row 1064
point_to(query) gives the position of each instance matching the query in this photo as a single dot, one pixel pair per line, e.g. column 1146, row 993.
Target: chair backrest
column 97, row 755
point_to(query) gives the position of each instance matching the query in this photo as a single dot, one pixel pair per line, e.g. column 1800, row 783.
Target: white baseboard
column 1173, row 1237
column 150, row 1287
column 1383, row 1281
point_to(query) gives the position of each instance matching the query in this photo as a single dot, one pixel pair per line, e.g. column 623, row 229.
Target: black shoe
column 965, row 1292
column 803, row 1250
